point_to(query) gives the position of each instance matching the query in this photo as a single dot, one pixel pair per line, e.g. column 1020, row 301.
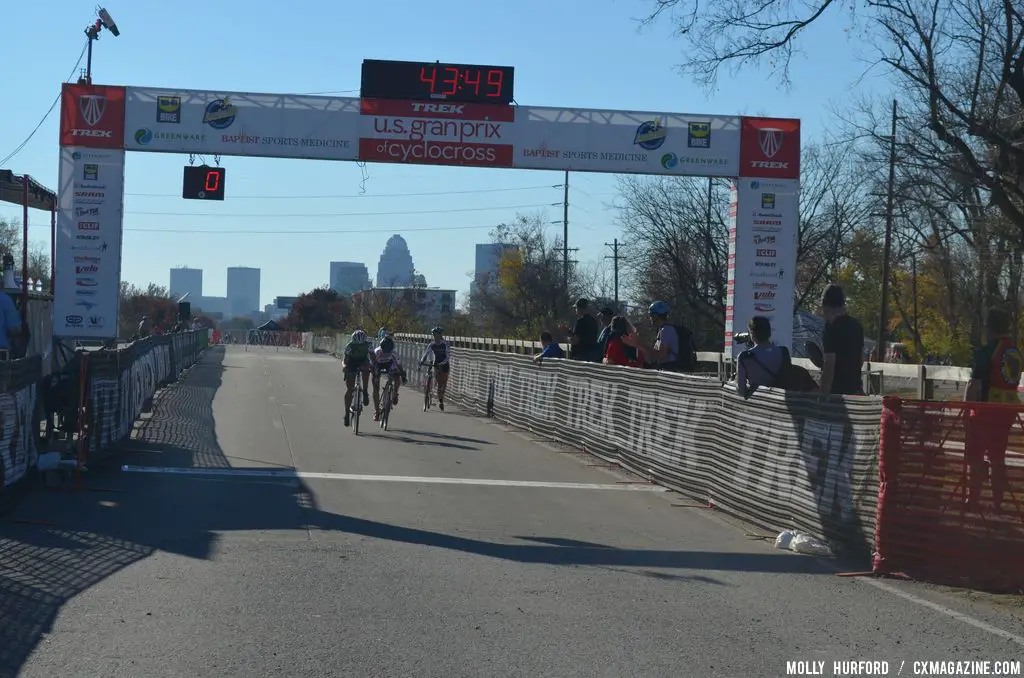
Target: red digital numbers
column 495, row 80
column 451, row 80
column 212, row 180
column 428, row 74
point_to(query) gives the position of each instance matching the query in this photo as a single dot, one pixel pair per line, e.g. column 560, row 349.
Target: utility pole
column 883, row 319
column 565, row 236
column 615, row 267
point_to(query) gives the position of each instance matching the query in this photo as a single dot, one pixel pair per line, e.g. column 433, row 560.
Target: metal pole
column 913, row 273
column 565, row 235
column 883, row 319
column 53, row 249
column 24, row 250
column 88, row 60
column 615, row 250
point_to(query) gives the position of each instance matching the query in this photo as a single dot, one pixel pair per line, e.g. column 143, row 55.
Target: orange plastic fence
column 951, row 494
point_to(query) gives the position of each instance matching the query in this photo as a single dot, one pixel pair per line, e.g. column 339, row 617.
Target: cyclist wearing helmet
column 441, row 349
column 383, row 332
column 385, row 360
column 673, row 347
column 357, row 358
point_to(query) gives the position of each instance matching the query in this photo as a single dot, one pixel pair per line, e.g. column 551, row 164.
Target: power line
column 290, row 231
column 24, row 143
column 344, row 214
column 361, row 196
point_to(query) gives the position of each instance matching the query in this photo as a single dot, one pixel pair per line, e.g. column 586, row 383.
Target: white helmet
column 359, row 337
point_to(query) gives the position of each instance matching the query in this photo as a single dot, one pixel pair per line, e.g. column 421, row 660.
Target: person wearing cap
column 607, row 315
column 842, row 346
column 583, row 337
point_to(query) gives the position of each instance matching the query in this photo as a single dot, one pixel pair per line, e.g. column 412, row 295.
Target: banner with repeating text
column 763, row 237
column 627, row 142
column 90, row 201
column 237, row 123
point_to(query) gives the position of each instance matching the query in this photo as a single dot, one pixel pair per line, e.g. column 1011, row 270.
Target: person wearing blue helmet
column 673, row 349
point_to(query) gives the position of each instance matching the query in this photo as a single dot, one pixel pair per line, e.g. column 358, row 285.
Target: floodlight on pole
column 92, row 33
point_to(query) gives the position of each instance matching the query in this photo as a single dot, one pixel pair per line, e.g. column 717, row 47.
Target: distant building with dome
column 395, row 268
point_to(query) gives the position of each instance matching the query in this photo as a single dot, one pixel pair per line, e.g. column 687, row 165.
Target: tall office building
column 187, row 280
column 348, row 277
column 395, row 268
column 243, row 290
column 488, row 260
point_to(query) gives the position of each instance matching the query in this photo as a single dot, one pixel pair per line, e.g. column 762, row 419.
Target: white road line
column 274, row 473
column 942, row 609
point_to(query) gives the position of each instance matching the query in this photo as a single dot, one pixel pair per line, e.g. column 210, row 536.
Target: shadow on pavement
column 412, row 441
column 443, row 436
column 81, row 538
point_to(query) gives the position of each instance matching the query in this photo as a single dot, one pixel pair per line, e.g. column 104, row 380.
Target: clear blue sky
column 573, row 53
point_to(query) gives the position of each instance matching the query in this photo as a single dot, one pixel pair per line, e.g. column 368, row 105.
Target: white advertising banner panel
column 627, row 142
column 238, row 123
column 88, row 244
column 763, row 236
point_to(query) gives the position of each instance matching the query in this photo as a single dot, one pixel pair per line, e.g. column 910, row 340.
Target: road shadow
column 443, row 436
column 412, row 441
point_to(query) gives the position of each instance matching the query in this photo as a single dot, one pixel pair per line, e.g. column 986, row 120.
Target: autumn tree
column 526, row 295
column 319, row 309
column 152, row 301
column 394, row 308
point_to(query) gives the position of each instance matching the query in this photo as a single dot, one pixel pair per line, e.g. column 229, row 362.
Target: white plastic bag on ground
column 784, row 539
column 808, row 545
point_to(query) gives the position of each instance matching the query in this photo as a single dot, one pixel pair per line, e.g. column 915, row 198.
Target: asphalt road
column 215, row 571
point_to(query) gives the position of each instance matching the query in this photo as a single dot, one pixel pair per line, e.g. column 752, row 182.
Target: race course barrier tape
column 777, row 460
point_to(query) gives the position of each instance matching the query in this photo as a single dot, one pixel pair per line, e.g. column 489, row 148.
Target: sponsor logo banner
column 762, row 258
column 770, row 148
column 227, row 123
column 88, row 245
column 627, row 142
column 91, row 116
column 476, row 135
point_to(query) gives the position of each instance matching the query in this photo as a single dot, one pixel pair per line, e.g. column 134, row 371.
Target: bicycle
column 357, row 403
column 430, row 383
column 387, row 400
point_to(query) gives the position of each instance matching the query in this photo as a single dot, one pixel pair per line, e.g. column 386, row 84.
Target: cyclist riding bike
column 385, row 360
column 441, row 350
column 381, row 333
column 358, row 356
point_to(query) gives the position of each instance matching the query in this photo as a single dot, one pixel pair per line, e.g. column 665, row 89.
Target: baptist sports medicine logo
column 651, row 135
column 220, row 113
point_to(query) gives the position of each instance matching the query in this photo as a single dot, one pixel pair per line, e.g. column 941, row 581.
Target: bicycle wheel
column 357, row 406
column 386, row 405
column 426, row 391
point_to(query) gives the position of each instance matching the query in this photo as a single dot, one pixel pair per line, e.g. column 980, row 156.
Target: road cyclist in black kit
column 442, row 351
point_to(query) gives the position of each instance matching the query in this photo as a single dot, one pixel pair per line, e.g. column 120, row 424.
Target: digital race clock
column 203, row 183
column 413, row 80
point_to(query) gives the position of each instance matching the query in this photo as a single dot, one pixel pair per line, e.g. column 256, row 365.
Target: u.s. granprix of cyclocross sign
column 99, row 123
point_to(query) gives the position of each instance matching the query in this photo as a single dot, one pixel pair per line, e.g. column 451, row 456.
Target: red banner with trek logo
column 92, row 116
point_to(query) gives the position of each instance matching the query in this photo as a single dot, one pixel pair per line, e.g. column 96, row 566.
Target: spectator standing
column 673, row 348
column 842, row 346
column 551, row 348
column 11, row 320
column 995, row 377
column 761, row 364
column 583, row 336
column 617, row 351
column 607, row 316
